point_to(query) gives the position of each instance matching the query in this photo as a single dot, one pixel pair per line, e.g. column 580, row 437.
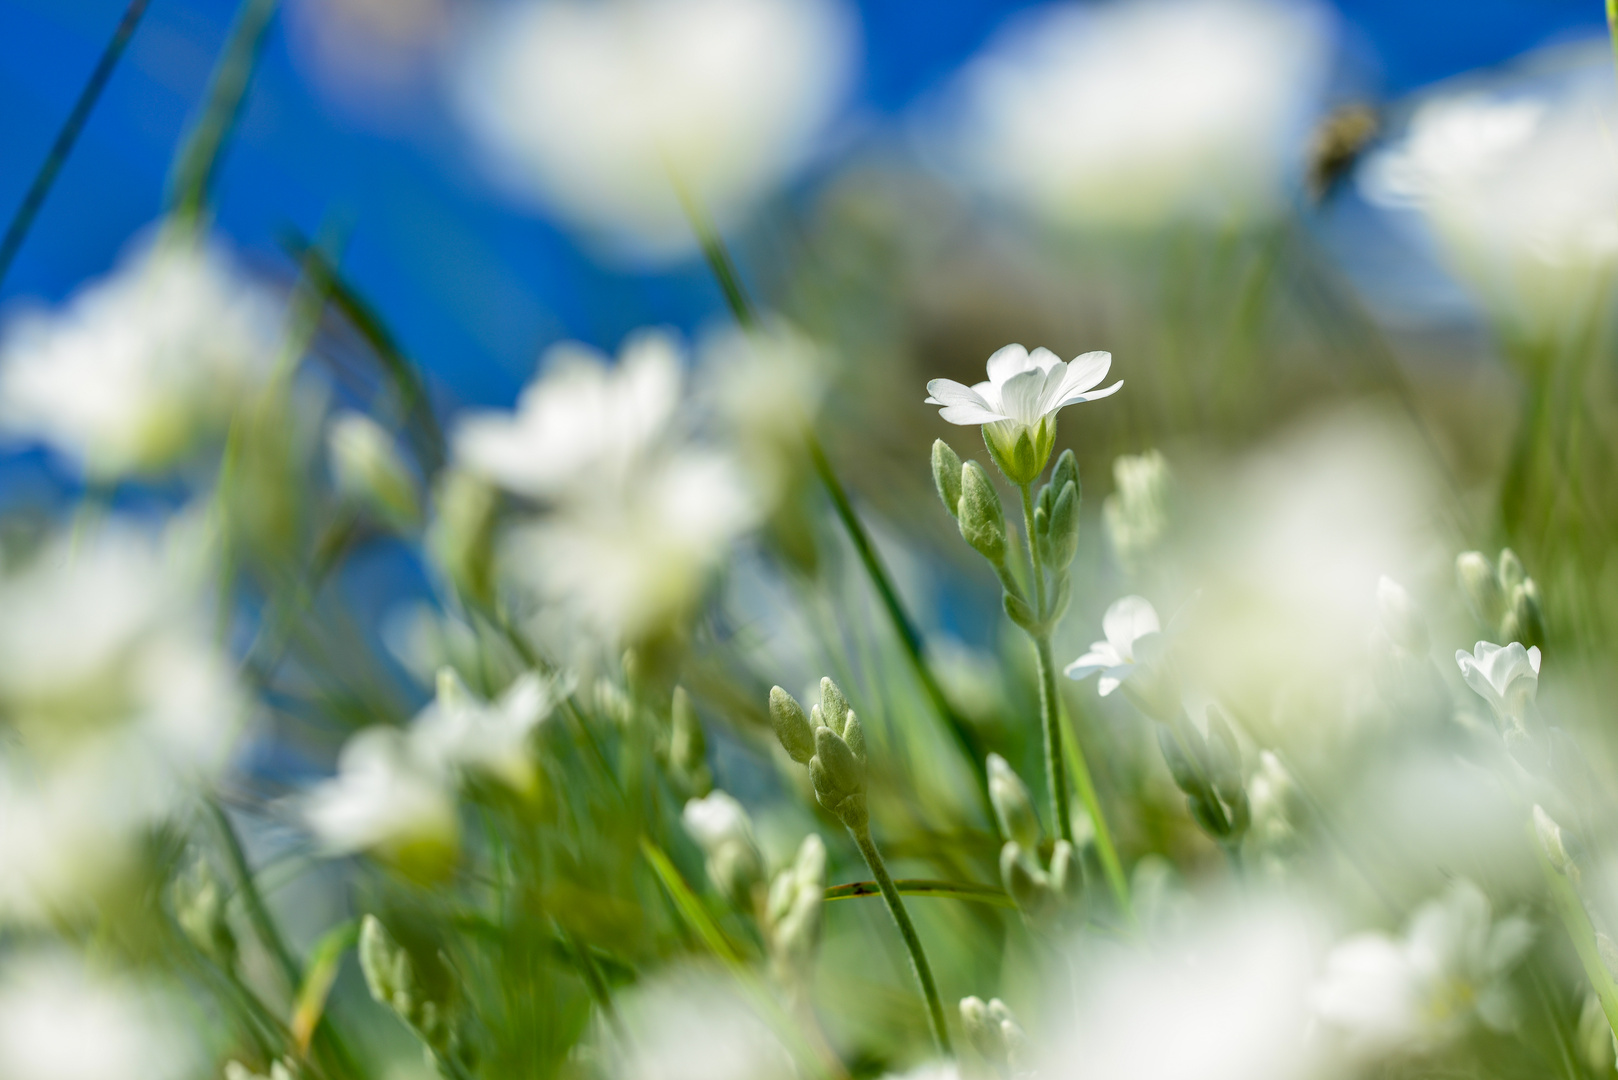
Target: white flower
column 1134, row 114
column 368, row 469
column 638, row 553
column 1127, row 622
column 1420, row 992
column 139, row 366
column 385, row 798
column 1235, row 986
column 693, row 1025
column 601, row 109
column 494, row 738
column 716, row 819
column 58, row 1021
column 1507, row 677
column 1519, row 183
column 1021, row 397
column 580, row 422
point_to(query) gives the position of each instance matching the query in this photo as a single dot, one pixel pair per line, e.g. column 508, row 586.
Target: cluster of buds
column 792, row 914
column 1208, row 769
column 1502, row 597
column 970, row 497
column 1043, row 891
column 830, row 740
column 994, row 1033
column 721, row 827
column 393, row 980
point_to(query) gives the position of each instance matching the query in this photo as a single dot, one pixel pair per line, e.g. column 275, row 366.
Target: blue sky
column 475, row 286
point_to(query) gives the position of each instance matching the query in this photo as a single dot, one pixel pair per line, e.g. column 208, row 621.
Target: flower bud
column 1064, row 527
column 1224, row 757
column 1013, row 807
column 1023, row 879
column 854, row 735
column 838, row 778
column 1524, row 620
column 983, row 522
column 792, row 727
column 721, row 827
column 947, row 476
column 793, row 912
column 688, row 747
column 1550, row 841
column 1179, row 758
column 367, row 468
column 1511, row 570
column 1481, row 587
column 1401, row 620
column 833, row 705
column 1067, row 872
column 992, row 1031
column 199, row 908
column 391, row 977
column 1066, row 471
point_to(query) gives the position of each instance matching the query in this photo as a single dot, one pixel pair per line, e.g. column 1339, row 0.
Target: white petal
column 1084, row 373
column 1045, row 360
column 950, row 392
column 1127, row 620
column 1091, row 395
column 1007, row 362
column 1020, row 396
column 968, row 415
column 1533, row 658
column 1100, row 657
column 1108, row 683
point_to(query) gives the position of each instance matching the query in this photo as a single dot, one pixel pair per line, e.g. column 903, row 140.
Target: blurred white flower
column 766, row 385
column 140, row 366
column 1136, row 514
column 386, row 798
column 1506, row 676
column 638, row 553
column 580, row 422
column 721, row 827
column 60, row 1021
column 1233, row 988
column 1021, row 397
column 1420, row 992
column 1126, row 623
column 602, row 109
column 1134, row 113
column 692, row 1025
column 1519, row 181
column 457, row 731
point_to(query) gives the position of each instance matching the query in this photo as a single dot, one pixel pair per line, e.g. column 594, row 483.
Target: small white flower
column 1507, row 676
column 457, row 731
column 59, row 1021
column 580, row 422
column 385, row 798
column 1127, row 622
column 140, row 366
column 1022, row 395
column 602, row 108
column 690, row 1024
column 716, row 819
column 1422, row 991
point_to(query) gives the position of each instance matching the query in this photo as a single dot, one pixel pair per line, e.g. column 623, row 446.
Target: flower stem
column 1055, row 768
column 28, row 210
column 1576, row 921
column 907, row 930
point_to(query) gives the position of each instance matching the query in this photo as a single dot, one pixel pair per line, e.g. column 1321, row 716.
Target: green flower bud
column 947, row 476
column 368, row 469
column 792, row 727
column 1480, row 585
column 1066, row 471
column 1224, row 757
column 793, row 912
column 1067, row 872
column 840, row 773
column 983, row 522
column 1511, row 571
column 854, row 735
column 1020, row 611
column 1013, row 806
column 1064, row 527
column 199, row 908
column 1524, row 620
column 688, row 747
column 1209, row 816
column 1024, row 880
column 833, row 705
column 1178, row 758
column 1550, row 841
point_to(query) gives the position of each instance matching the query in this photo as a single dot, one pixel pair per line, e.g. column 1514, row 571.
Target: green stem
column 1034, row 560
column 1055, row 767
column 199, row 158
column 28, row 210
column 907, row 930
column 1111, row 865
column 1576, row 921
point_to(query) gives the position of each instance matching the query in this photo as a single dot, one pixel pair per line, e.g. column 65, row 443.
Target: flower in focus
column 386, row 798
column 1235, row 985
column 1385, row 995
column 60, row 1021
column 614, row 113
column 1519, row 183
column 580, row 422
column 1018, row 403
column 141, row 366
column 494, row 738
column 1082, row 114
column 1506, row 676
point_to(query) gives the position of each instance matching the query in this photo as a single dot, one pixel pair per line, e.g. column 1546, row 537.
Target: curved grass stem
column 907, row 930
